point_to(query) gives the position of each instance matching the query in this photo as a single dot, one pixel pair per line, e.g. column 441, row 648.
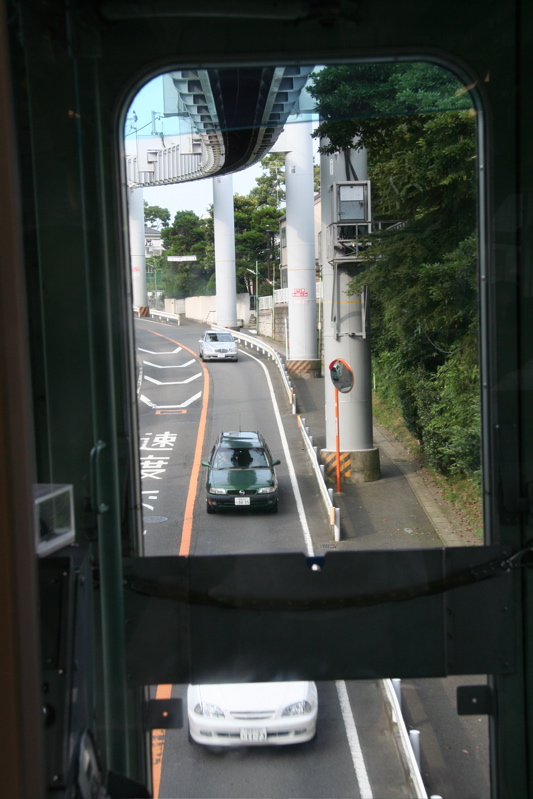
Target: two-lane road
column 180, row 416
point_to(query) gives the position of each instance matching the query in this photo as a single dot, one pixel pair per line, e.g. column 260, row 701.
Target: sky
column 197, row 195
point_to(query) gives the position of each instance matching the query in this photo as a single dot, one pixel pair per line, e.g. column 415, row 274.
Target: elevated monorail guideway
column 237, row 115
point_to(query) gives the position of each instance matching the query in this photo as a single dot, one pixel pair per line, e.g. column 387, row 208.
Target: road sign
column 181, row 257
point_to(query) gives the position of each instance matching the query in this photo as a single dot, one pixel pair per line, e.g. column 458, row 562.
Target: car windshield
column 219, row 337
column 252, row 458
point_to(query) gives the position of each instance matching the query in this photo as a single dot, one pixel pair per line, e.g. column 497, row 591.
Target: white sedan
column 252, row 714
column 218, row 345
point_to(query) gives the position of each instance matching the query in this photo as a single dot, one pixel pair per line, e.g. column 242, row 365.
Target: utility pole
column 346, row 211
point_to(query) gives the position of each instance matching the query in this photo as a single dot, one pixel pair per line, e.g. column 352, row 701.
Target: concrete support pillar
column 346, row 335
column 225, row 251
column 137, row 250
column 301, row 269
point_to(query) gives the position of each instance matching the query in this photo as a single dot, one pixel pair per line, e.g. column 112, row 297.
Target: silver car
column 218, row 345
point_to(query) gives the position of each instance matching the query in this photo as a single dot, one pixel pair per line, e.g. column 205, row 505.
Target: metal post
column 397, row 685
column 337, row 442
column 257, row 296
column 274, row 300
column 414, row 737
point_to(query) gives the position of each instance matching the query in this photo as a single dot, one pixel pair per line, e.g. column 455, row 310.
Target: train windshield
column 323, row 214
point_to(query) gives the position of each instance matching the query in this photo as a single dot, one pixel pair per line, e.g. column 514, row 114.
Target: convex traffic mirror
column 341, row 375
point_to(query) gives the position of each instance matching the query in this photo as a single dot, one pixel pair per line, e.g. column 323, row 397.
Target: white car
column 218, row 345
column 252, row 714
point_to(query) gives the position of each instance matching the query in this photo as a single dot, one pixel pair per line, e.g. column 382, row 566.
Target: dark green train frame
column 67, row 400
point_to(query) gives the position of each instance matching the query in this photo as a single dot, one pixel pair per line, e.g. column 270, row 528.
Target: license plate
column 242, row 500
column 254, row 735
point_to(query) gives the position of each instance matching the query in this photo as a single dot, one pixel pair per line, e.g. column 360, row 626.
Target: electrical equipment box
column 352, row 220
column 352, row 202
column 54, row 517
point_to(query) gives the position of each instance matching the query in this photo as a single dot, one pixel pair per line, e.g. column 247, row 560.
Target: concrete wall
column 204, row 309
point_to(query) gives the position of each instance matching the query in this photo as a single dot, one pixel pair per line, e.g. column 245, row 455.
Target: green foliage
column 253, row 241
column 256, row 218
column 155, row 216
column 270, row 189
column 372, row 101
column 418, row 126
column 188, row 235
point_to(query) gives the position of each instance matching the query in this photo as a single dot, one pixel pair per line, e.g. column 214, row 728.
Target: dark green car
column 241, row 473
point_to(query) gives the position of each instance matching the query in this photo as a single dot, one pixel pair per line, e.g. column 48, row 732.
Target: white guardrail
column 326, row 493
column 175, row 317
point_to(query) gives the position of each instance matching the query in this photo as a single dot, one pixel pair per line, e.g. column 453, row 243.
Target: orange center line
column 158, row 743
column 186, row 531
column 164, row 691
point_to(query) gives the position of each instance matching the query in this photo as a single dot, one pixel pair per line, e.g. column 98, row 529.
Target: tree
column 418, row 126
column 270, row 189
column 155, row 216
column 188, row 235
column 252, row 222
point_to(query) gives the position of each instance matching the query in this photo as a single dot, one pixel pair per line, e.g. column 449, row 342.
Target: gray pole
column 346, row 335
column 137, row 249
column 225, row 251
column 301, row 269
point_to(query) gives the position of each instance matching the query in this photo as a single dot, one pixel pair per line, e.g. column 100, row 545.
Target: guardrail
column 326, row 493
column 408, row 742
column 166, row 315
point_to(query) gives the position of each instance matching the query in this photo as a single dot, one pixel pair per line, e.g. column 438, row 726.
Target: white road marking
column 361, row 773
column 172, row 383
column 172, row 366
column 151, row 352
column 161, row 407
column 292, row 474
column 353, row 741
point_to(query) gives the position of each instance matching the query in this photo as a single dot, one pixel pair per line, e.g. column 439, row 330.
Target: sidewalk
column 403, row 509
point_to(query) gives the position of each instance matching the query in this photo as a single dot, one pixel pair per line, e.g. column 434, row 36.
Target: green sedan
column 241, row 473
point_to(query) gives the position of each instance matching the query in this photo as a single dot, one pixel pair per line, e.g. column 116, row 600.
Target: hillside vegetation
column 418, row 125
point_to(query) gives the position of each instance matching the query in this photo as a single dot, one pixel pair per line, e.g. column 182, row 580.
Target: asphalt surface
column 401, row 510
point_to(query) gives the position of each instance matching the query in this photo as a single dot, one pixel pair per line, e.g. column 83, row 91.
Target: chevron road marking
column 151, row 352
column 173, row 366
column 172, row 383
column 160, row 407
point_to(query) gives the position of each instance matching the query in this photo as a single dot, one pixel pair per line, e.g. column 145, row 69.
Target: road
column 183, row 405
